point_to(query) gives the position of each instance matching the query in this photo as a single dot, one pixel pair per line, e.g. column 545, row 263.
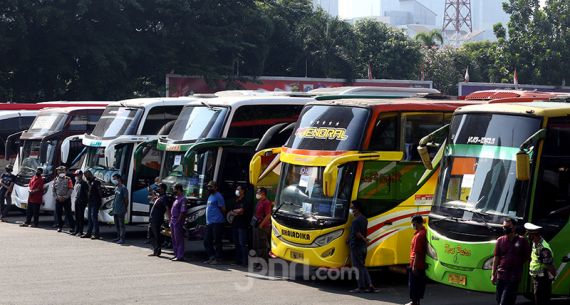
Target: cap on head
column 61, row 168
column 532, row 228
column 212, row 184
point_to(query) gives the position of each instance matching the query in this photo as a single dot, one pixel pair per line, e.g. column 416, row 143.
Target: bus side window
column 552, row 200
column 385, row 134
column 78, row 121
column 252, row 121
column 414, row 127
column 158, row 117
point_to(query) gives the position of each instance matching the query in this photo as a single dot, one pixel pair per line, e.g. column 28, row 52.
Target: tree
column 445, row 67
column 430, row 39
column 390, row 53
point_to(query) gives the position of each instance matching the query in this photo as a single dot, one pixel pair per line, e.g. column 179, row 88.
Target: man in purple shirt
column 177, row 216
column 511, row 253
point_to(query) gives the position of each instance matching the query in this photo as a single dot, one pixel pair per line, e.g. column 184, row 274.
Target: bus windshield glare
column 301, row 193
column 202, row 172
column 117, row 121
column 196, row 122
column 323, row 127
column 479, row 166
column 31, row 158
column 47, row 123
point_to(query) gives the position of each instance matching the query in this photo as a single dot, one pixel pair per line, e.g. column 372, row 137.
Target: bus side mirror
column 424, row 155
column 523, row 166
column 255, row 169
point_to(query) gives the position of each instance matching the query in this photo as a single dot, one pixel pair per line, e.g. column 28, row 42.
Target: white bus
column 111, row 149
column 44, row 144
column 214, row 139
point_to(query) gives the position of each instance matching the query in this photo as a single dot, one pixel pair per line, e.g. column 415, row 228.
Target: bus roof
column 156, row 101
column 373, row 91
column 236, row 101
column 68, row 109
column 396, row 104
column 504, row 94
column 38, row 106
column 7, row 114
column 538, row 108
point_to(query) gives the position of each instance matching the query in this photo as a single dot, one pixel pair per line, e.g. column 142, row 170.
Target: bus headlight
column 194, row 216
column 431, row 252
column 275, row 230
column 328, row 238
column 488, row 265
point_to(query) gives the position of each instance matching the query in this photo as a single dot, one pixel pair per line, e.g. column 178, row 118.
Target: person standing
column 239, row 225
column 511, row 253
column 416, row 272
column 81, row 195
column 156, row 220
column 541, row 268
column 6, row 186
column 94, row 198
column 177, row 216
column 62, row 189
column 152, row 196
column 261, row 223
column 35, row 198
column 215, row 219
column 120, row 205
column 358, row 243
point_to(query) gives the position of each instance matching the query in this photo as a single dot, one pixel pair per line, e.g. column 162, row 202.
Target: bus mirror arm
column 256, row 173
column 523, row 156
column 11, row 140
column 428, row 141
column 46, row 141
column 330, row 172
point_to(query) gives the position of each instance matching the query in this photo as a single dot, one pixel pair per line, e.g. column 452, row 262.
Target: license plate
column 457, row 279
column 296, row 255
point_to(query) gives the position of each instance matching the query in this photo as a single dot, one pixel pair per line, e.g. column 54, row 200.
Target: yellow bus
column 344, row 149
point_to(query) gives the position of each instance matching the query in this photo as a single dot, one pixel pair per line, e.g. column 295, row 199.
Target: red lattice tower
column 457, row 24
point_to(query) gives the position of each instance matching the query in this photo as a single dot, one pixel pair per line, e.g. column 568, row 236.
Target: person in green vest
column 541, row 268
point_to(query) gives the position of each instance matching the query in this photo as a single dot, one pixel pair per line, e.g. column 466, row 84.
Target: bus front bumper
column 458, row 276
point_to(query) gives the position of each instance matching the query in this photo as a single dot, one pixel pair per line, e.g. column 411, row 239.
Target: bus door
column 147, row 163
column 551, row 208
column 234, row 171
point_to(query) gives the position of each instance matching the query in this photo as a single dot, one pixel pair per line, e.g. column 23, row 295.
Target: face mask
column 507, row 230
column 115, row 182
column 237, row 193
column 351, row 211
column 78, row 179
column 61, row 175
column 257, row 196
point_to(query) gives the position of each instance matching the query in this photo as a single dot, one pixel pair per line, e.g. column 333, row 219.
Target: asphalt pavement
column 41, row 266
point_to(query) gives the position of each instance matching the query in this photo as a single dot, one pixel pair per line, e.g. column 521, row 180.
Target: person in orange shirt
column 417, row 273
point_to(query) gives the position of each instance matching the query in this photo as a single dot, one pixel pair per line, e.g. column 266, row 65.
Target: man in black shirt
column 358, row 247
column 81, row 198
column 240, row 222
column 6, row 185
column 94, row 199
column 156, row 220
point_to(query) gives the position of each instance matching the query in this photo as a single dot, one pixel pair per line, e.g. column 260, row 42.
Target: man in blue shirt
column 215, row 211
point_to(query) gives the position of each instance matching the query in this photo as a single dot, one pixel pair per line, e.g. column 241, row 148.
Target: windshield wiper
column 280, row 206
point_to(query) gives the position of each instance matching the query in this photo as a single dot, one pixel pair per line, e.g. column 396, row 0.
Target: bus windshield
column 197, row 122
column 97, row 163
column 117, row 121
column 47, row 123
column 195, row 185
column 478, row 172
column 323, row 127
column 301, row 193
column 31, row 158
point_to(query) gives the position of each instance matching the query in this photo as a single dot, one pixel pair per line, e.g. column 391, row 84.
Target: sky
column 358, row 8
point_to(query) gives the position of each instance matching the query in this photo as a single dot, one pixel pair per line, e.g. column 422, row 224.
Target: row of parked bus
column 465, row 163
